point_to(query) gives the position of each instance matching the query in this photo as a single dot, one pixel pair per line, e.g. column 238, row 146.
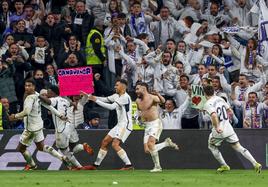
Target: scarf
column 139, row 26
column 242, row 93
column 254, row 120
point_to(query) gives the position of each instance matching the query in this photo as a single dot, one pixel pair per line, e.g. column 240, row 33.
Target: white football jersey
column 61, row 104
column 217, row 105
column 33, row 121
column 123, row 109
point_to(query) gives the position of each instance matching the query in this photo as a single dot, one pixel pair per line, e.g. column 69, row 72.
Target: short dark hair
column 30, row 80
column 253, row 93
column 55, row 89
column 185, row 76
column 171, row 40
column 216, row 77
column 243, row 75
column 173, row 102
column 208, row 90
column 122, row 81
column 139, row 83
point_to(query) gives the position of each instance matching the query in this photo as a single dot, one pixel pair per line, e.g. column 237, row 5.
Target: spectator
column 7, row 85
column 54, row 32
column 22, row 37
column 41, row 54
column 93, row 122
column 41, row 83
column 9, row 39
column 95, row 49
column 71, row 46
column 252, row 110
column 33, row 17
column 51, row 75
column 18, row 14
column 72, row 61
column 171, row 115
column 68, row 10
column 82, row 22
column 113, row 8
column 5, row 15
column 15, row 56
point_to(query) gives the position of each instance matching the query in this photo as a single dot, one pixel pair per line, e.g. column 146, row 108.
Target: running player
column 121, row 102
column 220, row 112
column 34, row 126
column 148, row 113
column 66, row 134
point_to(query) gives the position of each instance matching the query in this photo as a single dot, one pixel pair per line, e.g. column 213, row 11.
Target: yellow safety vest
column 92, row 58
column 135, row 125
column 1, row 120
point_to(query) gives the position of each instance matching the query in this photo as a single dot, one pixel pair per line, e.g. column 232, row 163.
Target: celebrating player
column 34, row 126
column 120, row 101
column 66, row 134
column 148, row 112
column 220, row 112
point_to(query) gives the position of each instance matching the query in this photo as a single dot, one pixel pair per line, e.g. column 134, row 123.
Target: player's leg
column 103, row 149
column 245, row 153
column 26, row 139
column 154, row 154
column 66, row 152
column 213, row 147
column 167, row 143
column 77, row 147
column 122, row 154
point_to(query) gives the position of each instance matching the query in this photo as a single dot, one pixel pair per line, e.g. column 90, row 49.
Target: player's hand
column 219, row 130
column 11, row 117
column 92, row 98
column 221, row 70
column 64, row 118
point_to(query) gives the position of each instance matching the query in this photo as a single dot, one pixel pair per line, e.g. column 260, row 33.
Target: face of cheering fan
column 242, row 81
column 166, row 59
column 252, row 98
column 164, row 13
column 169, row 106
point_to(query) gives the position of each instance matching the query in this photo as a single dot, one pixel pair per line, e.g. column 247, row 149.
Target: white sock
column 52, row 151
column 71, row 157
column 78, row 148
column 245, row 154
column 101, row 155
column 217, row 155
column 160, row 146
column 155, row 158
column 28, row 157
column 123, row 155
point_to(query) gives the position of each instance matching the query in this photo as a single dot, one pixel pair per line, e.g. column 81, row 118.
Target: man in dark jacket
column 82, row 22
column 3, row 117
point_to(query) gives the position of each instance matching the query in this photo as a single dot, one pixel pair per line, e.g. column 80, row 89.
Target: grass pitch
column 136, row 178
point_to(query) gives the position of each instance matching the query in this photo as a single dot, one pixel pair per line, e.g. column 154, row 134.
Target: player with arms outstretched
column 219, row 112
column 121, row 102
column 148, row 113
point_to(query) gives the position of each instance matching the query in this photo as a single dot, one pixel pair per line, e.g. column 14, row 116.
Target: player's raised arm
column 158, row 97
column 45, row 99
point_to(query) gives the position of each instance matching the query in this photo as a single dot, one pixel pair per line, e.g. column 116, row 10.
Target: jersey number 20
column 222, row 113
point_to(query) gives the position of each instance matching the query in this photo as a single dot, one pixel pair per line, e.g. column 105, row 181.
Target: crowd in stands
column 168, row 44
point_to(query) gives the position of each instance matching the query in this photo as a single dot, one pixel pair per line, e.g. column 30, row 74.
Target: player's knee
column 115, row 144
column 151, row 146
column 212, row 147
column 104, row 143
column 40, row 147
column 21, row 148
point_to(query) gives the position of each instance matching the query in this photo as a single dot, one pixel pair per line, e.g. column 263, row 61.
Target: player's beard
column 140, row 96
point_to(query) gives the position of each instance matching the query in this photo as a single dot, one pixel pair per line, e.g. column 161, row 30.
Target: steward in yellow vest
column 95, row 50
column 3, row 118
